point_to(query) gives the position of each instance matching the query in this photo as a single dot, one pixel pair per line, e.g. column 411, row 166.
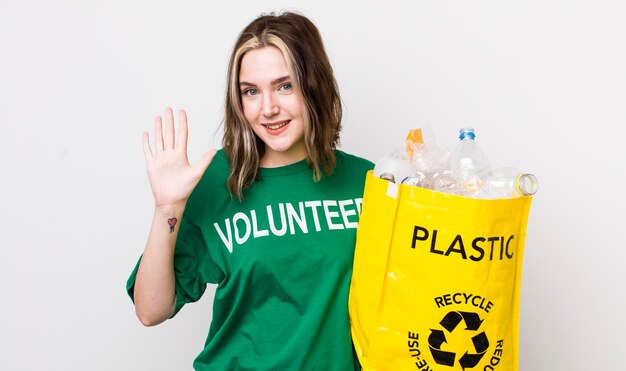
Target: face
column 272, row 106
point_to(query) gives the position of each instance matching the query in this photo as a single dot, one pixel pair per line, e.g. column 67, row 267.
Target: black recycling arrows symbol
column 449, row 322
column 452, row 319
column 481, row 344
column 436, row 338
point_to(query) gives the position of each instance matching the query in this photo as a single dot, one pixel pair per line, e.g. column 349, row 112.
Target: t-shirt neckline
column 296, row 167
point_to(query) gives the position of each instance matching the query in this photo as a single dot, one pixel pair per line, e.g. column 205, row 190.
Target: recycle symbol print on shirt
column 450, row 323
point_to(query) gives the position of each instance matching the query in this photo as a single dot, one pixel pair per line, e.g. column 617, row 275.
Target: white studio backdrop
column 543, row 82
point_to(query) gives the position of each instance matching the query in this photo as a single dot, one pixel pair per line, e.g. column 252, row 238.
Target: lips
column 276, row 125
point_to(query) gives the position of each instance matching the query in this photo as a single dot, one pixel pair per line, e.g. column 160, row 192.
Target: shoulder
column 219, row 163
column 352, row 163
column 212, row 186
column 216, row 173
column 349, row 173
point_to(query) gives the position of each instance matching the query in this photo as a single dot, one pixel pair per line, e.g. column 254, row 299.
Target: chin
column 280, row 147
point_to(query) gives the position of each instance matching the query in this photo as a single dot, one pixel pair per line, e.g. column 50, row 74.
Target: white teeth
column 277, row 126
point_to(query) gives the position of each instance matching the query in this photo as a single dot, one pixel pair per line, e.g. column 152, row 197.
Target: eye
column 286, row 87
column 249, row 92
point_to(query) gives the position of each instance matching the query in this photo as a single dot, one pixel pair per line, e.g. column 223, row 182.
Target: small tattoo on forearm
column 172, row 222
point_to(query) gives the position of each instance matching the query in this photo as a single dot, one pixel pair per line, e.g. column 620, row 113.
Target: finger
column 169, row 129
column 204, row 162
column 158, row 135
column 147, row 151
column 181, row 141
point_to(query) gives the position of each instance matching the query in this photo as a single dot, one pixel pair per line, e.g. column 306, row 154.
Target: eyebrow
column 274, row 82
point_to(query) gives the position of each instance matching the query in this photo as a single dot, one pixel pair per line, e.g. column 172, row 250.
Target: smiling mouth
column 277, row 125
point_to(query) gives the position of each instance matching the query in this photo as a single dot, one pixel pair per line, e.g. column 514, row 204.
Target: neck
column 277, row 159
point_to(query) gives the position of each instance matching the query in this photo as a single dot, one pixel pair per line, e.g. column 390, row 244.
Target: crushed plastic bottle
column 468, row 163
column 467, row 155
column 508, row 182
column 465, row 172
column 415, row 162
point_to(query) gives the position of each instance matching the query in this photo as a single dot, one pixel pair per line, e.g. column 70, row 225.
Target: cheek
column 249, row 110
column 294, row 105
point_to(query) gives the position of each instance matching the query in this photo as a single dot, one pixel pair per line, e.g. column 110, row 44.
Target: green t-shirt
column 282, row 262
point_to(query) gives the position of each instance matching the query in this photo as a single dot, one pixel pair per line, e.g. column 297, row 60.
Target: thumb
column 204, row 162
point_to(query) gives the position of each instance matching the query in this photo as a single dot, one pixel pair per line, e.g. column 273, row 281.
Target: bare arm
column 155, row 297
column 172, row 180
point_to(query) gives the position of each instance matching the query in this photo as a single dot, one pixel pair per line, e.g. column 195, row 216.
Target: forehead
column 263, row 65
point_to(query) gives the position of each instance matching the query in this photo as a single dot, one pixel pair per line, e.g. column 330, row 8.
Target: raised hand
column 172, row 178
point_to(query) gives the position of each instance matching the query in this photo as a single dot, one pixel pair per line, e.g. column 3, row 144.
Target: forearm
column 154, row 292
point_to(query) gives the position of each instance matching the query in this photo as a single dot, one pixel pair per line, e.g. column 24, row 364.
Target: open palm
column 172, row 178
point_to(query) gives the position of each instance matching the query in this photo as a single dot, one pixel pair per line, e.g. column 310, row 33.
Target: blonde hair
column 301, row 45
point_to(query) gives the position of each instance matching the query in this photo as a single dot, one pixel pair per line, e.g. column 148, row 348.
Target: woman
column 271, row 218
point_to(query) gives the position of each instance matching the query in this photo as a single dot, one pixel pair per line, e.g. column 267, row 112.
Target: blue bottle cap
column 467, row 133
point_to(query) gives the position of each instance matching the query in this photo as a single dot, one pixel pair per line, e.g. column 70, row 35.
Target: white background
column 544, row 83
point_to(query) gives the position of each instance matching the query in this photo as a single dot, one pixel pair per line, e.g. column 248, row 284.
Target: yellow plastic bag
column 436, row 280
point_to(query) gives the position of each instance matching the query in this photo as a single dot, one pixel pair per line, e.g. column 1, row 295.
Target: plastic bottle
column 508, row 182
column 445, row 182
column 468, row 163
column 393, row 169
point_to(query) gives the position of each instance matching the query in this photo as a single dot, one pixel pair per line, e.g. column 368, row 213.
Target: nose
column 270, row 105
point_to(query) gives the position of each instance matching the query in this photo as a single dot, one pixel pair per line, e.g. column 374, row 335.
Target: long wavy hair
column 301, row 45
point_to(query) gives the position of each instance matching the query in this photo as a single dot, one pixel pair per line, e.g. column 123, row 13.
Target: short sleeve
column 193, row 266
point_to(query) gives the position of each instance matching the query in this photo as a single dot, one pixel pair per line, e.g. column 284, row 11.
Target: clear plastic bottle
column 445, row 182
column 508, row 182
column 468, row 163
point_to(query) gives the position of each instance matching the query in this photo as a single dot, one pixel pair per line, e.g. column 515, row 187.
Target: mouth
column 276, row 125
